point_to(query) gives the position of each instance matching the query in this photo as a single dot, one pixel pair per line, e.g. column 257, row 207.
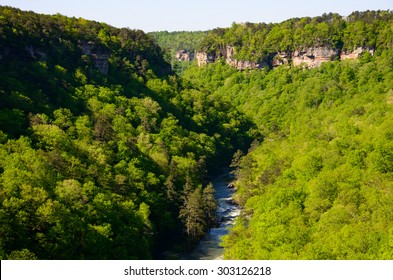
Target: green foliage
column 104, row 152
column 175, row 41
column 192, row 214
column 89, row 157
column 319, row 185
column 172, row 42
column 198, row 210
column 257, row 42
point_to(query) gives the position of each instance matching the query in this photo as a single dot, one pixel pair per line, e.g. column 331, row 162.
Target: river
column 209, row 247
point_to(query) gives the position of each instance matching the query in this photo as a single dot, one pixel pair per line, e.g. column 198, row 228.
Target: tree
column 209, row 205
column 193, row 215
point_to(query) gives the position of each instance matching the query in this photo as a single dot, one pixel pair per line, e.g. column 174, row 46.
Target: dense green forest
column 105, row 152
column 319, row 183
column 173, row 42
column 179, row 40
column 257, row 41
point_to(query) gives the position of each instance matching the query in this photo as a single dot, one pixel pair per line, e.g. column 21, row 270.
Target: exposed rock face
column 205, row 58
column 101, row 63
column 30, row 50
column 243, row 64
column 310, row 57
column 35, row 53
column 355, row 53
column 239, row 64
column 228, row 54
column 98, row 53
column 201, row 58
column 184, row 55
column 313, row 57
column 281, row 58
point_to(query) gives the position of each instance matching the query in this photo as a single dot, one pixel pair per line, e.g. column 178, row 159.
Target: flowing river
column 209, row 247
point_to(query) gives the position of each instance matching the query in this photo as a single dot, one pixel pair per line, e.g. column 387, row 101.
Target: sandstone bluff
column 310, row 57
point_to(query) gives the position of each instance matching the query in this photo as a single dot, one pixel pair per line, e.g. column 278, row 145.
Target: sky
column 173, row 15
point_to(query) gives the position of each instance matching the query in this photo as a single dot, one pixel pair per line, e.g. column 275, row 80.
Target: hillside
column 102, row 149
column 180, row 47
column 106, row 152
column 309, row 41
column 180, row 40
column 317, row 182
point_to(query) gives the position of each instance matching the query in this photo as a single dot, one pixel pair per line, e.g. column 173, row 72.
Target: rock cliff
column 98, row 53
column 184, row 55
column 310, row 57
column 240, row 64
column 280, row 58
column 205, row 58
column 355, row 53
column 31, row 51
column 313, row 57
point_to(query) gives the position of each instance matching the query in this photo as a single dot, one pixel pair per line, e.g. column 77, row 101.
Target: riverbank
column 209, row 247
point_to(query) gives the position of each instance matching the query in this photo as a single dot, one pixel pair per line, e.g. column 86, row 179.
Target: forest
column 318, row 182
column 173, row 42
column 106, row 151
column 256, row 41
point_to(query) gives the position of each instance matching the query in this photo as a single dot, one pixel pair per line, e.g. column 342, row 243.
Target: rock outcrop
column 228, row 54
column 184, row 55
column 281, row 58
column 313, row 57
column 309, row 57
column 204, row 58
column 99, row 54
column 35, row 53
column 355, row 53
column 244, row 64
column 31, row 51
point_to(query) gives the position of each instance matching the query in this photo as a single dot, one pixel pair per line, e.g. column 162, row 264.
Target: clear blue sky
column 173, row 15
